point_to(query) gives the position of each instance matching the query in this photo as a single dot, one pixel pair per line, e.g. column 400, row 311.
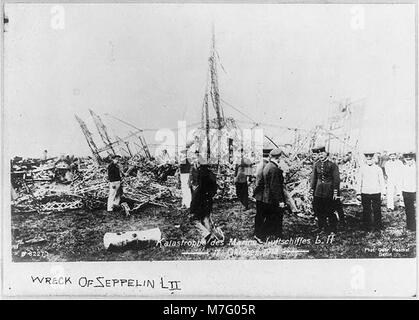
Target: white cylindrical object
column 121, row 239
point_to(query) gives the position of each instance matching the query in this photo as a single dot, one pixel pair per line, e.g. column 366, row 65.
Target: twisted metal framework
column 89, row 138
column 101, row 128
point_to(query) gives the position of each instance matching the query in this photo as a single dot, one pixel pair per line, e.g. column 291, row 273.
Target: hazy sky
column 147, row 64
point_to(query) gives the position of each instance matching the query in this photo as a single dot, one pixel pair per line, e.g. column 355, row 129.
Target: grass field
column 78, row 236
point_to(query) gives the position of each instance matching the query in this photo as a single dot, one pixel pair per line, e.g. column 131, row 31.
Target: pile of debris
column 297, row 183
column 36, row 188
column 348, row 174
column 89, row 188
column 44, row 197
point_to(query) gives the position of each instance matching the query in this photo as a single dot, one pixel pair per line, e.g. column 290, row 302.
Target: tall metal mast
column 89, row 138
column 207, row 127
column 215, row 94
column 213, row 91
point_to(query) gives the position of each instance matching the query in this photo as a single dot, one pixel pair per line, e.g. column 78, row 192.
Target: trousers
column 272, row 226
column 114, row 196
column 392, row 190
column 409, row 203
column 324, row 211
column 371, row 210
column 259, row 219
column 242, row 192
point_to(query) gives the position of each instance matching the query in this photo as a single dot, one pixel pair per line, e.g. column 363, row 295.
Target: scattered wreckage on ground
column 49, row 186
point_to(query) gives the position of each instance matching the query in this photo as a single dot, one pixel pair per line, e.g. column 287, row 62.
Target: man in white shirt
column 371, row 188
column 165, row 166
column 393, row 169
column 185, row 168
column 164, row 158
column 408, row 187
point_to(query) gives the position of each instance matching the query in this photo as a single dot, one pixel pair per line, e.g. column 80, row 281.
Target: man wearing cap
column 393, row 169
column 258, row 195
column 408, row 187
column 371, row 188
column 114, row 177
column 325, row 187
column 273, row 195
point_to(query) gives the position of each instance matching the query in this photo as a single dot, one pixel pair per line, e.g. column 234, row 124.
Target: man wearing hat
column 258, row 195
column 371, row 188
column 325, row 182
column 114, row 177
column 408, row 187
column 393, row 168
column 204, row 188
column 273, row 195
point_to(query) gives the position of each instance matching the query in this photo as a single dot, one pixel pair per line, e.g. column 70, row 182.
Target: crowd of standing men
column 378, row 176
column 390, row 177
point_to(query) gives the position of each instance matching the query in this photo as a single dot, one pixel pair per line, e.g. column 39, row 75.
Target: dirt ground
column 78, row 236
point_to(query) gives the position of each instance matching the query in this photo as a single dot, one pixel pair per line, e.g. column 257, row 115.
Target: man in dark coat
column 204, row 193
column 258, row 195
column 242, row 188
column 203, row 184
column 325, row 182
column 273, row 195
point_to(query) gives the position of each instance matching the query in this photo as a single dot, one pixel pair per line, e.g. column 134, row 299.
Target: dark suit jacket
column 185, row 167
column 258, row 191
column 325, row 178
column 273, row 184
column 201, row 204
column 113, row 173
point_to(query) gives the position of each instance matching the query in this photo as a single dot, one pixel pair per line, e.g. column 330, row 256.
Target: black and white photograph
column 209, row 131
